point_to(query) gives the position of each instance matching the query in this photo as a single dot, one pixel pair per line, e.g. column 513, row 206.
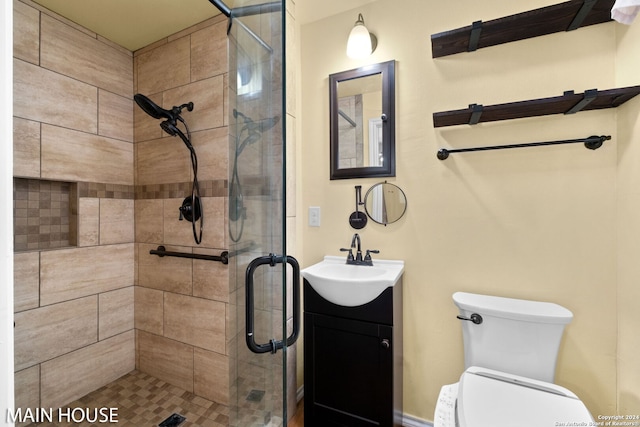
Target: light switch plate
column 314, row 216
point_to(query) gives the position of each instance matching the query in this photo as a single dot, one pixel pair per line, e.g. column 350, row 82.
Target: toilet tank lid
column 510, row 308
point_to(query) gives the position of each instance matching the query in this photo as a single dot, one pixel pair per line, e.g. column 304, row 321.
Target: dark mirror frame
column 387, row 70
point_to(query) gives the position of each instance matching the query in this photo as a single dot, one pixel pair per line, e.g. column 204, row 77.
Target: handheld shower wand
column 191, row 208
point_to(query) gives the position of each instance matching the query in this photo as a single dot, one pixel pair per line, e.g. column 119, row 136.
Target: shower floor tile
column 145, row 401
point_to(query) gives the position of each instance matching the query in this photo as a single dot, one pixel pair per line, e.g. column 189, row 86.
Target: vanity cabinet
column 353, row 361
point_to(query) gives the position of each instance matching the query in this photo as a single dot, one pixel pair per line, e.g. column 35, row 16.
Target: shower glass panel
column 256, row 224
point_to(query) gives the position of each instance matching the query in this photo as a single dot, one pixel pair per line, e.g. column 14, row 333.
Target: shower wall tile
column 195, row 321
column 106, row 191
column 148, row 221
column 47, row 332
column 207, row 96
column 212, row 147
column 149, row 305
column 165, row 67
column 211, row 375
column 210, row 279
column 78, row 156
column 26, row 32
column 160, row 161
column 116, row 221
column 97, row 365
column 73, row 273
column 216, row 225
column 71, row 52
column 115, row 312
column 166, row 273
column 27, row 390
column 115, row 116
column 26, row 281
column 166, row 359
column 209, row 52
column 26, row 148
column 88, row 221
column 39, row 94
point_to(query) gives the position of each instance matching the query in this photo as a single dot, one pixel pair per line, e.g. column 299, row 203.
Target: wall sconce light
column 361, row 42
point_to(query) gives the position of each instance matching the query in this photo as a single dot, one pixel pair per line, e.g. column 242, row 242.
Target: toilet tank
column 516, row 336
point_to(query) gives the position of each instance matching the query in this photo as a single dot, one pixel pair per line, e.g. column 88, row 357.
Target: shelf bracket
column 476, row 113
column 587, row 5
column 589, row 96
column 474, row 38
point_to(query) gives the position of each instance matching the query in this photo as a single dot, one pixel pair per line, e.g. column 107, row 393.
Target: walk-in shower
column 191, row 208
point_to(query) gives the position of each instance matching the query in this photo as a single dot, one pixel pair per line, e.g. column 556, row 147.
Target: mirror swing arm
column 386, row 70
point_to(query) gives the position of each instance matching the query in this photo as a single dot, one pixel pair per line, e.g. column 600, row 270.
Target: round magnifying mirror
column 385, row 203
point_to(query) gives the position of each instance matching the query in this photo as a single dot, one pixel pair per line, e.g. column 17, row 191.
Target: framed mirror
column 362, row 122
column 385, row 203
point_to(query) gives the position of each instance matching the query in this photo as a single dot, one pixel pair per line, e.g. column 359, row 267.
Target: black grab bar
column 592, row 143
column 162, row 251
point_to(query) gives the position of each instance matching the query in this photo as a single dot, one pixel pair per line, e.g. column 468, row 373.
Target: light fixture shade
column 361, row 43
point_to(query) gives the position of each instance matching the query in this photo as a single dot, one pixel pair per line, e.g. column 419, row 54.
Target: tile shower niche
column 42, row 212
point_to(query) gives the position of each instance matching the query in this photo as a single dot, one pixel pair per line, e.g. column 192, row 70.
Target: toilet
column 510, row 352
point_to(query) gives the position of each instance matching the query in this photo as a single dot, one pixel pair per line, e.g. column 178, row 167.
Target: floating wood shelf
column 568, row 103
column 565, row 16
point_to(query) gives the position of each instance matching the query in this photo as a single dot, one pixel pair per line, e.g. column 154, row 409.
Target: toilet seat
column 489, row 398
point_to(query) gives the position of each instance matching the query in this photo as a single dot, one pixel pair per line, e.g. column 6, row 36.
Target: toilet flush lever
column 475, row 318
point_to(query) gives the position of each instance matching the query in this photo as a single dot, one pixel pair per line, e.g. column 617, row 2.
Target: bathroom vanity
column 353, row 360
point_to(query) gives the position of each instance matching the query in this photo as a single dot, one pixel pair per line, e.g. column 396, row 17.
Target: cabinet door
column 348, row 372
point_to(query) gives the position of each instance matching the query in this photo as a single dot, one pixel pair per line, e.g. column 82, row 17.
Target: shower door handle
column 273, row 345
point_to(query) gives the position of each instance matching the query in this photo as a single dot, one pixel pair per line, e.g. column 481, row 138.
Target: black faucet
column 354, row 239
column 358, row 260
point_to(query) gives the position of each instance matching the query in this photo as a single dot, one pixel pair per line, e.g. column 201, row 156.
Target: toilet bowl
column 511, row 348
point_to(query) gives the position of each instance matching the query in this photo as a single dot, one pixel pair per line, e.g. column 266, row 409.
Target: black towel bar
column 592, row 143
column 161, row 251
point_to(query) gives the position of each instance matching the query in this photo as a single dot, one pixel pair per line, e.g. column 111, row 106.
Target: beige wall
column 73, row 123
column 627, row 62
column 537, row 223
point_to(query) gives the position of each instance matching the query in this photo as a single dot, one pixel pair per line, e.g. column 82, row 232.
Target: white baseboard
column 407, row 420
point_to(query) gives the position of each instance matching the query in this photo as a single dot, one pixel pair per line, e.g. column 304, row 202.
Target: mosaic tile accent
column 105, row 191
column 143, row 400
column 41, row 214
column 209, row 188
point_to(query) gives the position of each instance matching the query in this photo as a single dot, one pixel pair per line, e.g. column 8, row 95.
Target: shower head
column 171, row 116
column 152, row 109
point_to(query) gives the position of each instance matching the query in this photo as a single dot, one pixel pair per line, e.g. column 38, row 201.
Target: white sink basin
column 352, row 285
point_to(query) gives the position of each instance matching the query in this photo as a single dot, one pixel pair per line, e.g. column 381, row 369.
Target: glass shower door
column 256, row 218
